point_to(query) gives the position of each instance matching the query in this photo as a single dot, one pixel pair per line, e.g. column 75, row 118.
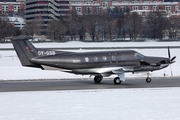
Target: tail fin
column 25, row 50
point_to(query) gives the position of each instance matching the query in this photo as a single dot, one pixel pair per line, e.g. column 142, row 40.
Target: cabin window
column 113, row 58
column 123, row 57
column 104, row 58
column 138, row 55
column 86, row 59
column 95, row 59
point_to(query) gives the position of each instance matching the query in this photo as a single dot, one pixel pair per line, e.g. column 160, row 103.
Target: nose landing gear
column 148, row 79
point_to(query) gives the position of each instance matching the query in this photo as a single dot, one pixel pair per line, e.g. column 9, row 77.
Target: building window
column 168, row 8
column 155, row 7
column 79, row 9
column 88, row 10
column 88, row 3
column 104, row 4
column 146, row 1
column 145, row 7
column 99, row 10
column 177, row 7
column 124, row 1
column 134, row 1
column 134, row 7
column 77, row 2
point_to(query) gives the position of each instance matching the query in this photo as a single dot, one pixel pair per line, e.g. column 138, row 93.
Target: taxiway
column 83, row 84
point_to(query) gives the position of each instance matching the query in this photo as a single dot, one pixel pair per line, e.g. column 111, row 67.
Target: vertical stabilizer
column 25, row 50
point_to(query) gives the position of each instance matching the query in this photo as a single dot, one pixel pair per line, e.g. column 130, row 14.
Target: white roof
column 16, row 19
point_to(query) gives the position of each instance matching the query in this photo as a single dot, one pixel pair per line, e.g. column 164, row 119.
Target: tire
column 97, row 79
column 117, row 81
column 148, row 80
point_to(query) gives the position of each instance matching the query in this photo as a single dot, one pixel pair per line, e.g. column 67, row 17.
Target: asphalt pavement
column 84, row 84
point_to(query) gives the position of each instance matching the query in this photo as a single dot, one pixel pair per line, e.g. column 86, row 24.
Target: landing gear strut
column 97, row 79
column 117, row 80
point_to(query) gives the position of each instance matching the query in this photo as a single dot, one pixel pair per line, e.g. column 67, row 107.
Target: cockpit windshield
column 138, row 55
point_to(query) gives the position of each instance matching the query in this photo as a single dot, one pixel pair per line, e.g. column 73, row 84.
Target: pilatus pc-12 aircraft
column 99, row 64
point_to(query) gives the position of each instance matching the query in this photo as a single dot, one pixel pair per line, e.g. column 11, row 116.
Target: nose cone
column 165, row 61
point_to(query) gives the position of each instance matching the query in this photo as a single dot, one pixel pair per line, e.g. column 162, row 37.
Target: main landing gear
column 97, row 79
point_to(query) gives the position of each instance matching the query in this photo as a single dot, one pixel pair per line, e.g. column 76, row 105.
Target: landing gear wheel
column 117, row 80
column 148, row 79
column 97, row 79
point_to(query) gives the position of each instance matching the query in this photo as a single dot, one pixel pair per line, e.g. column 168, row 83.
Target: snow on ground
column 97, row 44
column 11, row 69
column 123, row 104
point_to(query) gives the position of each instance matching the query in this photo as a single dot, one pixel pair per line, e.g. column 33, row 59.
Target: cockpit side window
column 138, row 55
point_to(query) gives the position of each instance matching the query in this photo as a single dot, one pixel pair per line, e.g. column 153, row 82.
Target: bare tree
column 133, row 25
column 33, row 27
column 72, row 25
column 7, row 29
column 174, row 26
column 109, row 26
column 156, row 24
column 82, row 25
column 56, row 30
column 120, row 27
column 92, row 21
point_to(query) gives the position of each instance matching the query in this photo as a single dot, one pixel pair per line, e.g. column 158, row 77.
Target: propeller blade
column 171, row 71
column 169, row 54
column 172, row 59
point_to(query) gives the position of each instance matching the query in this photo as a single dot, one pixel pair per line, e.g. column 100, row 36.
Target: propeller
column 171, row 60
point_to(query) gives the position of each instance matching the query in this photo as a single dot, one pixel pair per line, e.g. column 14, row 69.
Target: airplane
column 98, row 64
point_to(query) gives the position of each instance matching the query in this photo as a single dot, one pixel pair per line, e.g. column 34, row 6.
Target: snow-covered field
column 123, row 104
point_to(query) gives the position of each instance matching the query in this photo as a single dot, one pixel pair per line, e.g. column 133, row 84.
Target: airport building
column 11, row 6
column 46, row 10
column 18, row 22
column 58, row 9
column 142, row 7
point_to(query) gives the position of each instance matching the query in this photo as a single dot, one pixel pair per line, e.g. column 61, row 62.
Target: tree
column 72, row 25
column 174, row 25
column 33, row 27
column 156, row 24
column 109, row 25
column 92, row 25
column 56, row 29
column 133, row 25
column 120, row 27
column 7, row 29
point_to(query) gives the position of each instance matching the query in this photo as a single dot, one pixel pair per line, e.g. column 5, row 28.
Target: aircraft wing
column 107, row 71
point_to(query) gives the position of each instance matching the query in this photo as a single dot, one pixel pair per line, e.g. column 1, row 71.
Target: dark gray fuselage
column 79, row 63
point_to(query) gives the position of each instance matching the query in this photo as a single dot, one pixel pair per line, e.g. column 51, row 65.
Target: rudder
column 25, row 50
